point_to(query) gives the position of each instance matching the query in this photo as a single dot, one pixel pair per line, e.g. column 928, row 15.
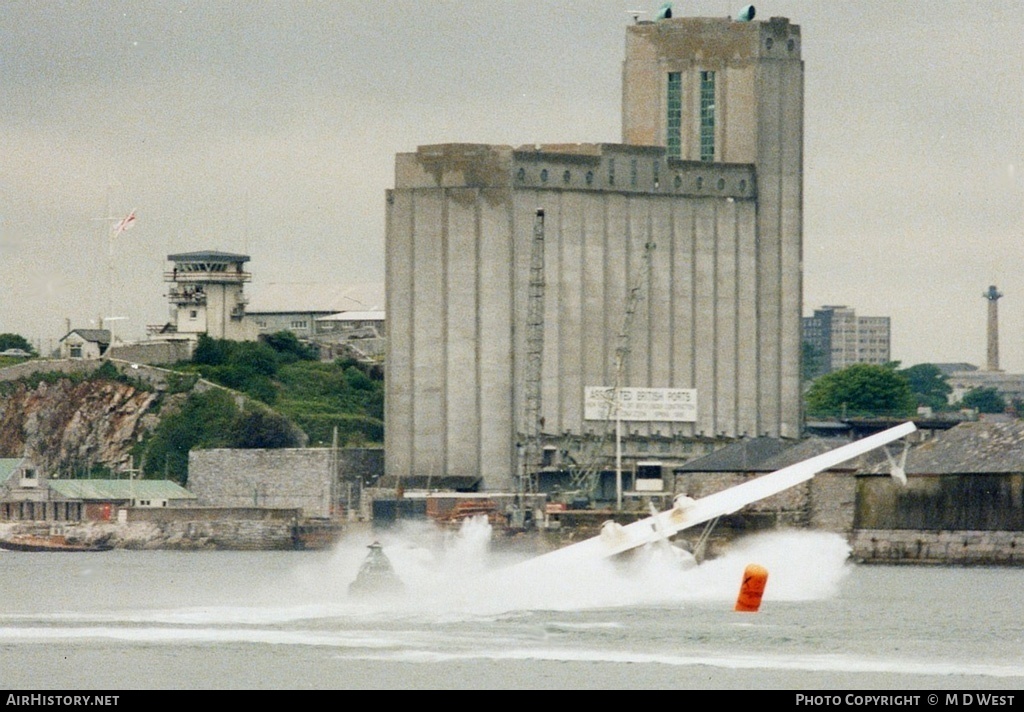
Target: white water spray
column 457, row 573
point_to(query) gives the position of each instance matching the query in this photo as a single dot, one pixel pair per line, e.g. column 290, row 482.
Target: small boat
column 34, row 542
column 376, row 577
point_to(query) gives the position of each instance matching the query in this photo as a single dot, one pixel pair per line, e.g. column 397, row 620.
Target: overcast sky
column 270, row 128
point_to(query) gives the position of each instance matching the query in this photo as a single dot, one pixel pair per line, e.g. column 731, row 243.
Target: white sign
column 649, row 404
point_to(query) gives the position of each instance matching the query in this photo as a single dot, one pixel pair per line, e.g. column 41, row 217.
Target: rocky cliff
column 67, row 425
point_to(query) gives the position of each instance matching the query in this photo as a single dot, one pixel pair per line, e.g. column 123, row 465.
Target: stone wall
column 831, row 502
column 955, row 548
column 153, row 352
column 186, row 529
column 154, row 376
column 27, row 368
column 289, row 477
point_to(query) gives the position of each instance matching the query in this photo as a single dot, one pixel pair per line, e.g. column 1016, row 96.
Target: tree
column 289, row 348
column 812, row 362
column 861, row 390
column 210, row 352
column 204, row 420
column 928, row 385
column 14, row 341
column 985, row 400
column 261, row 428
column 245, row 366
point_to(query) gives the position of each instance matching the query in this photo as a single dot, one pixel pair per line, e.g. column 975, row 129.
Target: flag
column 126, row 223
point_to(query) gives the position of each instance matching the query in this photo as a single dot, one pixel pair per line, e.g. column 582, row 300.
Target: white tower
column 206, row 295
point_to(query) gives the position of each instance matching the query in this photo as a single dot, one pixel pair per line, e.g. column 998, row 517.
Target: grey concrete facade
column 723, row 287
column 460, row 224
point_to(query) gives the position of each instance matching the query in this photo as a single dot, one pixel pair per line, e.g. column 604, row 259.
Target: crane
column 586, row 479
column 532, row 419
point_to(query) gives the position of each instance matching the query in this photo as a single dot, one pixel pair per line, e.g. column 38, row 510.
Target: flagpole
column 110, row 270
column 119, row 227
column 110, row 259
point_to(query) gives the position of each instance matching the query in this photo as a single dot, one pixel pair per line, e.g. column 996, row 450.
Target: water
column 470, row 619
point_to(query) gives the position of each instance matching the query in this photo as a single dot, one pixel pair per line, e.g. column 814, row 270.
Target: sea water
column 471, row 617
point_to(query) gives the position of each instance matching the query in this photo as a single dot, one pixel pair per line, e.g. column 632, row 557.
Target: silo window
column 707, row 116
column 674, row 117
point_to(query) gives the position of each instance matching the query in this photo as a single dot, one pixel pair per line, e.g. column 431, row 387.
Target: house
column 82, row 500
column 23, row 489
column 102, row 499
column 85, row 343
column 360, row 334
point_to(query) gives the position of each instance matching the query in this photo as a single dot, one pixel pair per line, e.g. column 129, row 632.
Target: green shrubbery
column 319, row 397
column 212, row 419
column 283, row 372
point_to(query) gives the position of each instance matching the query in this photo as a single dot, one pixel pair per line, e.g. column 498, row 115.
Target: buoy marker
column 751, row 589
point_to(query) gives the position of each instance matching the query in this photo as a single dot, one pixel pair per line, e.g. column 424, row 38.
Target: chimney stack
column 993, row 295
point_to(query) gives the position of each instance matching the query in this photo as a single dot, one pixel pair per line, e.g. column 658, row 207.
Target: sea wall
column 952, row 548
column 186, row 529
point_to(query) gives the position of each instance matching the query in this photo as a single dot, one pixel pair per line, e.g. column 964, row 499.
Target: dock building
column 669, row 261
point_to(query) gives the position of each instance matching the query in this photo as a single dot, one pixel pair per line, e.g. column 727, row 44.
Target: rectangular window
column 674, row 116
column 707, row 116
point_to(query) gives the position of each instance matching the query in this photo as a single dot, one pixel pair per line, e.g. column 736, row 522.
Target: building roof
column 106, row 490
column 747, row 455
column 8, row 466
column 208, row 256
column 313, row 297
column 805, row 450
column 99, row 336
column 765, row 454
column 968, row 448
column 354, row 316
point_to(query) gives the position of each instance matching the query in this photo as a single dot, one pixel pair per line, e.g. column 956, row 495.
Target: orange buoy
column 752, row 589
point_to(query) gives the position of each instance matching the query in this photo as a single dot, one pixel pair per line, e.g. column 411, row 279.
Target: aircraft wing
column 689, row 513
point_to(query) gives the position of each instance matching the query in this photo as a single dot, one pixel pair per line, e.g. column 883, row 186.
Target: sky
column 271, row 128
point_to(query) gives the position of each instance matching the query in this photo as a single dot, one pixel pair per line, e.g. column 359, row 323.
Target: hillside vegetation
column 286, row 375
column 97, row 423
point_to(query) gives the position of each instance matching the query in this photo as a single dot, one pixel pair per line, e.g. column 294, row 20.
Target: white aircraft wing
column 687, row 513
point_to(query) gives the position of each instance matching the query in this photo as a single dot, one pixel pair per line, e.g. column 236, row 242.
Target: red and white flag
column 126, row 223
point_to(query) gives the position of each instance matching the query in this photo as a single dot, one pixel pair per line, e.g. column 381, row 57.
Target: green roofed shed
column 120, row 490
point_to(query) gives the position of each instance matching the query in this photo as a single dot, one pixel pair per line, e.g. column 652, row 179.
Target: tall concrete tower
column 710, row 173
column 993, row 296
column 715, row 90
